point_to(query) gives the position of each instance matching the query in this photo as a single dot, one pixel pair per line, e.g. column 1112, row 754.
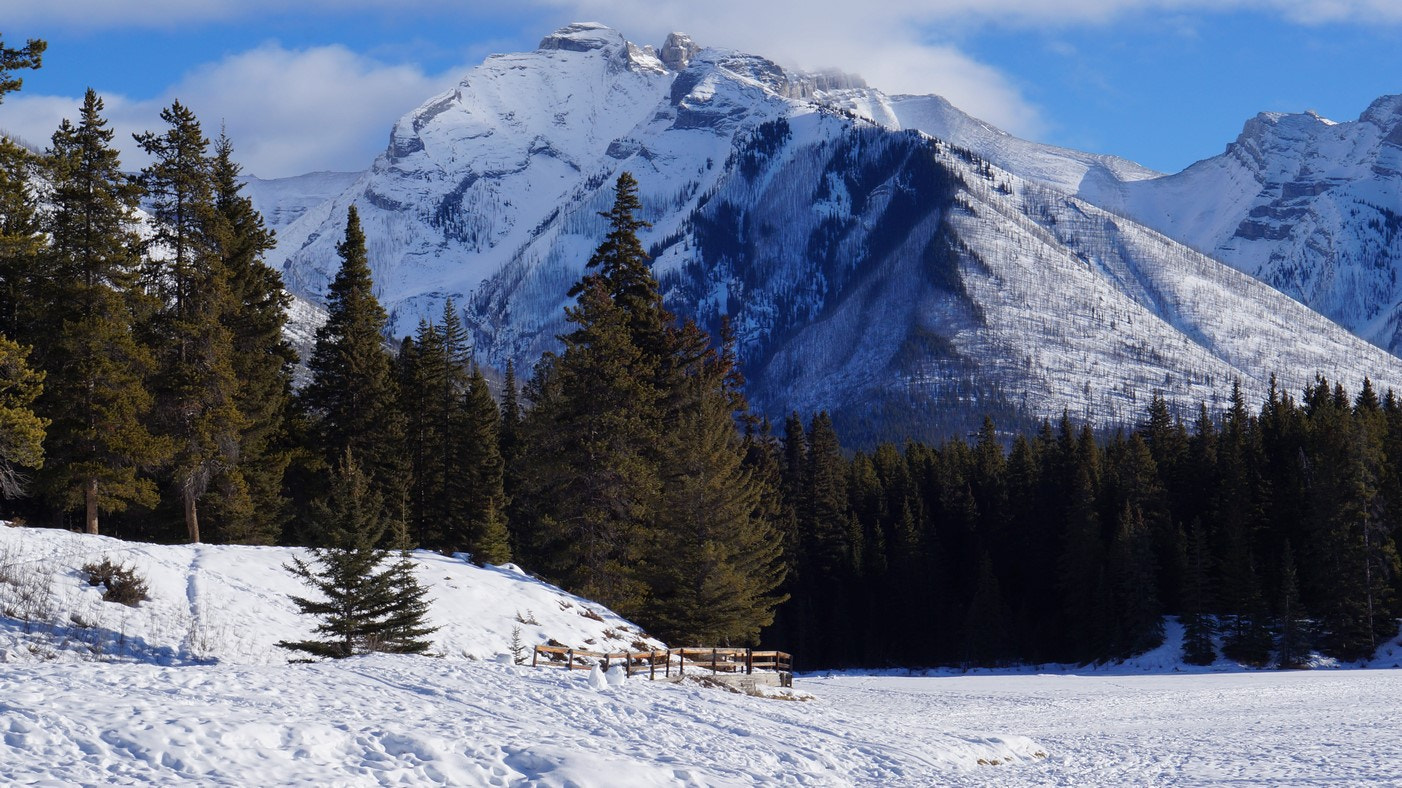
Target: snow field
column 384, row 720
column 188, row 687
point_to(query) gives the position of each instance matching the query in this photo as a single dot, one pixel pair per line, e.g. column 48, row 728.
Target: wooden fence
column 714, row 660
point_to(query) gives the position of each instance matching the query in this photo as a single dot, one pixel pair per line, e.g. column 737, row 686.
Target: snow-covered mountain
column 282, row 201
column 1311, row 206
column 889, row 258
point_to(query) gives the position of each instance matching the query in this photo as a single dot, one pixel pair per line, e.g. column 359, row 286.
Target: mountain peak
column 677, row 51
column 582, row 37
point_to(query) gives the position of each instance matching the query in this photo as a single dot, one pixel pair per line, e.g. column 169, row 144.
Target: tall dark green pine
column 366, row 600
column 196, row 383
column 480, row 460
column 1198, row 626
column 429, row 405
column 985, row 632
column 21, row 246
column 1293, row 643
column 351, row 399
column 715, row 557
column 1081, row 570
column 263, row 361
column 589, row 467
column 99, row 442
column 1136, row 624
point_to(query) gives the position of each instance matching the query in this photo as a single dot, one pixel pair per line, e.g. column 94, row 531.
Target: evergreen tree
column 21, row 247
column 590, row 463
column 482, row 467
column 30, row 56
column 714, row 565
column 1197, row 623
column 351, row 399
column 262, row 361
column 1137, row 623
column 985, row 635
column 196, row 391
column 364, row 605
column 21, row 430
column 1292, row 646
column 95, row 393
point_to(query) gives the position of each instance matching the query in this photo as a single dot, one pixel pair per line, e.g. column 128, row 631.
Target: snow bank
column 227, row 603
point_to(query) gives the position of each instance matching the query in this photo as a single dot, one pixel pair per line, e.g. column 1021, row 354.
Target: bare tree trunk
column 90, row 499
column 192, row 517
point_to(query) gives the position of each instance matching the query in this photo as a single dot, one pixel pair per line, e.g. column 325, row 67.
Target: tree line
column 1271, row 533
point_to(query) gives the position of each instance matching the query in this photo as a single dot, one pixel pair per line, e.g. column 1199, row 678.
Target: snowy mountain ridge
column 882, row 253
column 1308, row 205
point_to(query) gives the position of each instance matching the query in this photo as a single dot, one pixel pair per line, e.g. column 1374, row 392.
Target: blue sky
column 1162, row 82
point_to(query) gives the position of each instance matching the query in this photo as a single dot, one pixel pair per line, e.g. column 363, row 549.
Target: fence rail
column 715, row 660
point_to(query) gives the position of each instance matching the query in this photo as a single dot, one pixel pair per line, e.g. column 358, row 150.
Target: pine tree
column 1136, row 624
column 1197, row 623
column 714, row 565
column 351, row 399
column 21, row 430
column 11, row 60
column 21, row 246
column 95, row 393
column 197, row 383
column 262, row 361
column 365, row 606
column 985, row 633
column 1292, row 646
column 590, row 465
column 482, row 467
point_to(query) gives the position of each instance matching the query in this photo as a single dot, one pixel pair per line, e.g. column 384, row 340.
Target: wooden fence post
column 569, row 659
column 713, row 661
column 667, row 674
column 652, row 666
column 749, row 661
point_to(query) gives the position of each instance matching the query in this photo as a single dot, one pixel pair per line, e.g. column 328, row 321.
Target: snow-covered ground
column 188, row 688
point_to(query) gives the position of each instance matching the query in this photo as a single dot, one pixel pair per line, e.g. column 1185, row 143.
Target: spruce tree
column 985, row 633
column 196, row 387
column 1198, row 627
column 99, row 441
column 262, row 361
column 590, row 465
column 21, row 247
column 30, row 56
column 481, row 466
column 367, row 602
column 1293, row 643
column 714, row 566
column 21, row 430
column 351, row 399
column 1136, row 625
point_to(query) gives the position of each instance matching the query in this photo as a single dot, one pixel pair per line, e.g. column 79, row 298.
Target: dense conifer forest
column 146, row 391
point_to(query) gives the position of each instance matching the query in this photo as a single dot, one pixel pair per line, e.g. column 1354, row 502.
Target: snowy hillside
column 230, row 604
column 888, row 258
column 1310, row 206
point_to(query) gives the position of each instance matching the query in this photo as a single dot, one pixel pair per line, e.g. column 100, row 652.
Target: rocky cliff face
column 889, row 258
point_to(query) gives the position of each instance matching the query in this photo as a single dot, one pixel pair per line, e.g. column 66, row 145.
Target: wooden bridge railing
column 714, row 660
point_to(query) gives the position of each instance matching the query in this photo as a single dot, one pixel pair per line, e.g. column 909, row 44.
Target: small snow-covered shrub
column 120, row 583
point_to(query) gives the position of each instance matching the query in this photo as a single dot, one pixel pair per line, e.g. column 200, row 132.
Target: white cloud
column 287, row 111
